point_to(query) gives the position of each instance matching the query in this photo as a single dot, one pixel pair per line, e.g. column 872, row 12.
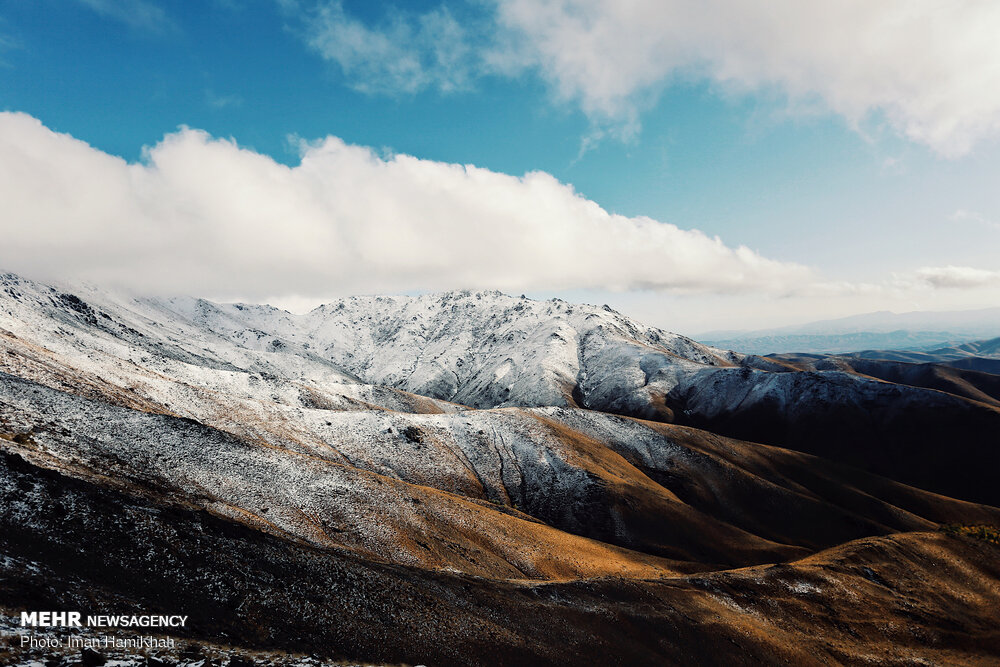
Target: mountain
column 482, row 349
column 470, row 477
column 979, row 386
column 841, row 343
column 486, row 349
column 966, row 321
column 977, row 355
column 918, row 330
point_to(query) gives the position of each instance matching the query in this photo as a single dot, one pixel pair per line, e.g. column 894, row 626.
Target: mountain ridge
column 462, row 350
column 272, row 458
column 916, row 331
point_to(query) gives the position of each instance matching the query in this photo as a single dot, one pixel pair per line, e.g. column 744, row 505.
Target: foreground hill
column 563, row 487
column 406, row 488
column 913, row 598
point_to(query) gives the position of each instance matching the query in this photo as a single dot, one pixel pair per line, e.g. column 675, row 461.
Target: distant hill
column 882, row 330
column 959, row 356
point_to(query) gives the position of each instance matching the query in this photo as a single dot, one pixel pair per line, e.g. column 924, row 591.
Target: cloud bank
column 927, row 68
column 958, row 277
column 202, row 215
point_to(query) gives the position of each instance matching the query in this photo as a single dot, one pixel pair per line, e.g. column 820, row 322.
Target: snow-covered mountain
column 450, row 467
column 436, row 352
column 481, row 349
column 487, row 349
column 458, row 350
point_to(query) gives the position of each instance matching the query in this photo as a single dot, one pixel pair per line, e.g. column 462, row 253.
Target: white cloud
column 928, row 68
column 958, row 277
column 202, row 215
column 406, row 54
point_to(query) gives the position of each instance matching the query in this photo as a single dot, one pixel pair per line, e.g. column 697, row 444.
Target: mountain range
column 471, row 477
column 885, row 330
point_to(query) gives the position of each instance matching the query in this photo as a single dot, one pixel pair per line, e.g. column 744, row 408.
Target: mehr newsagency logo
column 74, row 619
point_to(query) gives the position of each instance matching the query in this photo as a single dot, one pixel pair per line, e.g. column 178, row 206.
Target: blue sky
column 889, row 200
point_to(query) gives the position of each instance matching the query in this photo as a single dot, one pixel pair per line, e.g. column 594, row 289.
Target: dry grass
column 983, row 532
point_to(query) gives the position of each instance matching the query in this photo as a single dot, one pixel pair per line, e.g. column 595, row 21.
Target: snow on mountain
column 133, row 352
column 481, row 349
column 475, row 349
column 275, row 463
column 257, row 372
column 487, row 349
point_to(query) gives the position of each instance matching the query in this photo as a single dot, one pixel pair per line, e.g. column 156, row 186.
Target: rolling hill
column 469, row 476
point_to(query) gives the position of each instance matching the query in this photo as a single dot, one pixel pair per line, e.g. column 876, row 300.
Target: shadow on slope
column 929, row 439
column 902, row 598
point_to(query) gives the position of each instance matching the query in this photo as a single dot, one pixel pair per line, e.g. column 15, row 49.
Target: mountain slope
column 244, row 464
column 972, row 384
column 403, row 488
column 70, row 544
column 485, row 349
column 208, row 361
column 481, row 349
